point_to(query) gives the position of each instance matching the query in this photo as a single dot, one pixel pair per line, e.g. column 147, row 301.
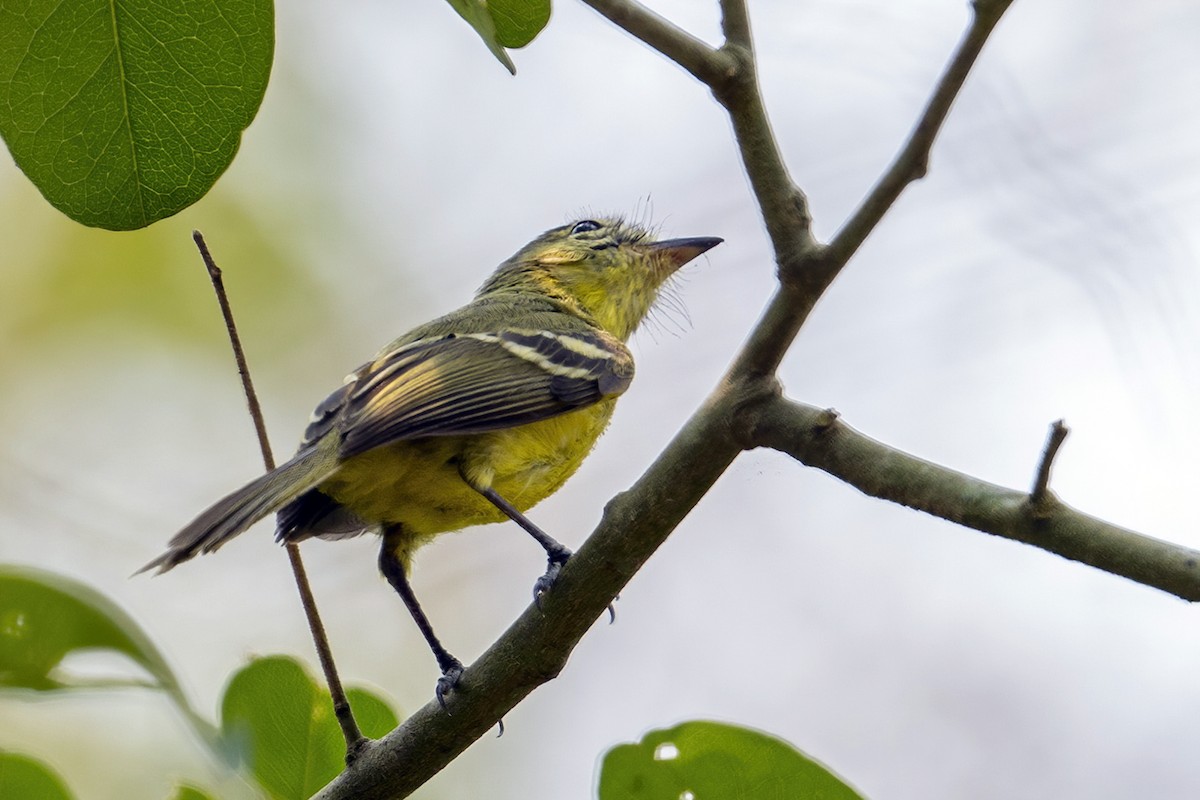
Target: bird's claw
column 544, row 583
column 554, row 566
column 446, row 684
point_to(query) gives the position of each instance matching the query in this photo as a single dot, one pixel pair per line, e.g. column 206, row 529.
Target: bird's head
column 605, row 267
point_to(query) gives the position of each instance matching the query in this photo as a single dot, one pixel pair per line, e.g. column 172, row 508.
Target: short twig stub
column 1041, row 482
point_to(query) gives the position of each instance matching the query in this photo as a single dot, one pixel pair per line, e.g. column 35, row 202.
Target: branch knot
column 734, row 79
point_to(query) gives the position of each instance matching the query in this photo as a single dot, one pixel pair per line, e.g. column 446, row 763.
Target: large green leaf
column 282, row 724
column 711, row 759
column 27, row 779
column 123, row 112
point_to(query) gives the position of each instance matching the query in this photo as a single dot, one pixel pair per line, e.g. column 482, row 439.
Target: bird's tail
column 237, row 511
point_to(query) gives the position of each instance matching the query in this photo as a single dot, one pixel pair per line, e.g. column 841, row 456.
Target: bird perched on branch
column 471, row 418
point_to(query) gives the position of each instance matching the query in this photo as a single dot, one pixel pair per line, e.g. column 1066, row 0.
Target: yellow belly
column 419, row 484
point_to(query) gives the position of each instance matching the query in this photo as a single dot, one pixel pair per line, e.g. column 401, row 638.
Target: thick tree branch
column 735, row 23
column 817, row 438
column 705, row 63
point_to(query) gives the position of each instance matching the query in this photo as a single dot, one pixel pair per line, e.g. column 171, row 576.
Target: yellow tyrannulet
column 471, row 418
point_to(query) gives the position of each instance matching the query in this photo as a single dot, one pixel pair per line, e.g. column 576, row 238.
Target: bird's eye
column 585, row 226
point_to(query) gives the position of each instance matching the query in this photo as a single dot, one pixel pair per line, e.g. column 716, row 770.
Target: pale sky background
column 1046, row 268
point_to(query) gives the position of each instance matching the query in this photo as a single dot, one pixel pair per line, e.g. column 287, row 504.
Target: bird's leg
column 451, row 667
column 556, row 554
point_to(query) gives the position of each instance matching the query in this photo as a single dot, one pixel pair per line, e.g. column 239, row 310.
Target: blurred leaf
column 711, row 759
column 282, row 722
column 27, row 779
column 476, row 13
column 66, row 285
column 186, row 792
column 375, row 717
column 122, row 113
column 44, row 617
column 518, row 21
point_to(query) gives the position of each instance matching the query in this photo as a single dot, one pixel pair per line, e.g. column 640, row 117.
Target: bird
column 471, row 418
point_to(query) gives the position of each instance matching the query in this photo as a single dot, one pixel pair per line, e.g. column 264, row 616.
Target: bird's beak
column 674, row 253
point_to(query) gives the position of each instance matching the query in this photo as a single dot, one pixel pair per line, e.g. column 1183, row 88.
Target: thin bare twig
column 815, row 437
column 1041, row 483
column 239, row 355
column 806, row 269
column 912, row 161
column 341, row 706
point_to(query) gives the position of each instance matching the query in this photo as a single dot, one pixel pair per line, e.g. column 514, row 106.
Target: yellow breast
column 419, row 484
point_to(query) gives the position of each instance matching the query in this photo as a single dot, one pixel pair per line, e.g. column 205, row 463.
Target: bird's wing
column 471, row 383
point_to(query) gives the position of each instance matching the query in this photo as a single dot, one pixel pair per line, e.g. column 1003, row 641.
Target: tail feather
column 237, row 511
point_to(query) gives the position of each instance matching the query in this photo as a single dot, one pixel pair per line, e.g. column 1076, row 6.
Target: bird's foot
column 556, row 558
column 452, row 672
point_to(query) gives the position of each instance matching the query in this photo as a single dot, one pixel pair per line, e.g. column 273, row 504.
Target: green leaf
column 23, row 777
column 476, row 13
column 123, row 112
column 282, row 723
column 375, row 717
column 711, row 759
column 44, row 617
column 518, row 21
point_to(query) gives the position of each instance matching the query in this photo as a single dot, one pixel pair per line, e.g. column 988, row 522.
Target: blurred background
column 1046, row 268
